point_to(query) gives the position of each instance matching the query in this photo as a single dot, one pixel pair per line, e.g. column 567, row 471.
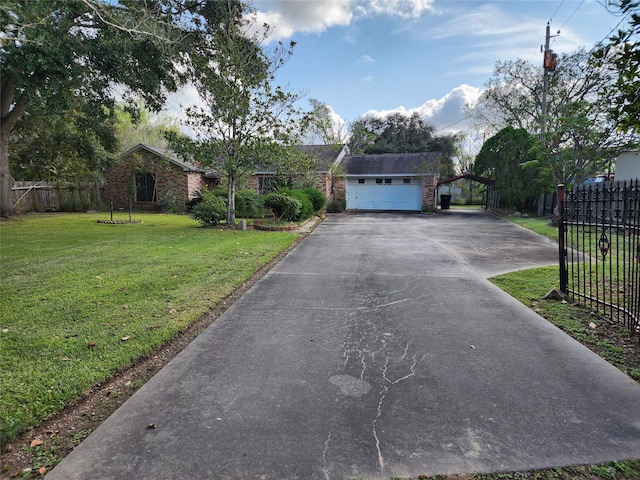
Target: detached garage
column 391, row 182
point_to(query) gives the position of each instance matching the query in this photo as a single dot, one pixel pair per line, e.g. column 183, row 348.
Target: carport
column 492, row 199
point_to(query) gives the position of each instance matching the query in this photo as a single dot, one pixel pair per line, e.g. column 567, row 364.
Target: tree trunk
column 9, row 114
column 6, row 182
column 231, row 201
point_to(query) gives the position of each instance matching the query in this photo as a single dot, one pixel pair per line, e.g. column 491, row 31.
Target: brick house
column 151, row 176
column 326, row 157
column 391, row 181
column 383, row 182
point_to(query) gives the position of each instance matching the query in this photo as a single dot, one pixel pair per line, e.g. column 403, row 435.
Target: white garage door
column 384, row 194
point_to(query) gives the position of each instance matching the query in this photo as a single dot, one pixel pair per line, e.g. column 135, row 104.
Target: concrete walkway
column 376, row 348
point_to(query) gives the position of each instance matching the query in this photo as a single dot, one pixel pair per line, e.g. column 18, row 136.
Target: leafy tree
column 399, row 133
column 78, row 145
column 580, row 139
column 143, row 126
column 243, row 121
column 623, row 50
column 58, row 53
column 321, row 123
column 507, row 158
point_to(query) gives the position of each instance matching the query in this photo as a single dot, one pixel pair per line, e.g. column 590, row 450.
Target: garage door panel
column 372, row 196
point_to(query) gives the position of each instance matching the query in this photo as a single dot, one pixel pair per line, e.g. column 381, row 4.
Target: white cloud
column 446, row 114
column 365, row 60
column 399, row 8
column 307, row 16
column 367, row 79
column 287, row 17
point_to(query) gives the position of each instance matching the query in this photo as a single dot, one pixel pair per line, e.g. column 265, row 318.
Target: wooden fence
column 49, row 197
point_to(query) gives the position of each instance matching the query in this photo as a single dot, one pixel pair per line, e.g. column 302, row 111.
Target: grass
column 81, row 300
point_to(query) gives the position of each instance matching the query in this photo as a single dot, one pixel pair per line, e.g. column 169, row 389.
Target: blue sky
column 430, row 56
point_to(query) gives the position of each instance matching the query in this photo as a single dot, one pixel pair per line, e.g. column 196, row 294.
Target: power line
column 554, row 13
column 571, row 16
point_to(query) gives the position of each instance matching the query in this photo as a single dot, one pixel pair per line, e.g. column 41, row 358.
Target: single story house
column 398, row 181
column 152, row 176
column 326, row 157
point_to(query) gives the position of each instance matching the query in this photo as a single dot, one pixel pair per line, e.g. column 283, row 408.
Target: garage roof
column 409, row 164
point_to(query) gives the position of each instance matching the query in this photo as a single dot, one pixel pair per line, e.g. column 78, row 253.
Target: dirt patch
column 39, row 449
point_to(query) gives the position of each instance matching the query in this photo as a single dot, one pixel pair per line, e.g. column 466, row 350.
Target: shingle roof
column 392, row 164
column 325, row 155
column 169, row 155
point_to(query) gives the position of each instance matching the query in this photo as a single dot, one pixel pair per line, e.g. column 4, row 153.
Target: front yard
column 82, row 300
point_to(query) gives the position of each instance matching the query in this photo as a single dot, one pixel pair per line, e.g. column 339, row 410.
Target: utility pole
column 549, row 62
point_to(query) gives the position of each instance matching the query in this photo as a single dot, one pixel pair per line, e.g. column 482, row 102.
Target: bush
column 283, row 206
column 249, row 203
column 307, row 210
column 316, row 196
column 211, row 210
column 338, row 204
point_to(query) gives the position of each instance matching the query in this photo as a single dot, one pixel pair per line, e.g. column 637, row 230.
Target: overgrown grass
column 81, row 300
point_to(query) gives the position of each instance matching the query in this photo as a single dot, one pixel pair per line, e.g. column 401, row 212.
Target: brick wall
column 120, row 180
column 429, row 183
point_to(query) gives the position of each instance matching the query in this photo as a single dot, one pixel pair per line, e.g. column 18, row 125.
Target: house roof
column 325, row 156
column 168, row 155
column 409, row 164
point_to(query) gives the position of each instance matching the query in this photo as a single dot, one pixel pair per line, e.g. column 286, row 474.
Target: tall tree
column 580, row 139
column 323, row 125
column 145, row 126
column 57, row 53
column 623, row 51
column 399, row 133
column 54, row 51
column 507, row 157
column 76, row 146
column 244, row 121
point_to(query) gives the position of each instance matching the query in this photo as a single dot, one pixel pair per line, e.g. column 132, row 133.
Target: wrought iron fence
column 599, row 242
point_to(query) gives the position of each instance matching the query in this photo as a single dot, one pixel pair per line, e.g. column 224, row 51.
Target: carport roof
column 410, row 164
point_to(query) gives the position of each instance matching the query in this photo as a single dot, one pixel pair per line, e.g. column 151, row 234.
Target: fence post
column 562, row 250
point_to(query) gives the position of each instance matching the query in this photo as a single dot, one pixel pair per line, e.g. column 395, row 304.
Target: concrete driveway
column 376, row 348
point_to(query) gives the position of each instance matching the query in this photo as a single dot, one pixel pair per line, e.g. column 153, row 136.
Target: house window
column 145, row 187
column 379, row 181
column 361, row 180
column 406, row 180
column 387, row 181
column 267, row 185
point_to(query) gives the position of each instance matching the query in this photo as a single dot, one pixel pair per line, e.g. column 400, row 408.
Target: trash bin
column 445, row 201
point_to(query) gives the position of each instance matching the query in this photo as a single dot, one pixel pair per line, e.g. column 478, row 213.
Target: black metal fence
column 599, row 241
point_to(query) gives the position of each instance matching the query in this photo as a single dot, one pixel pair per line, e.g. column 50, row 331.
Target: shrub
column 283, row 206
column 249, row 203
column 338, row 204
column 211, row 210
column 316, row 196
column 307, row 206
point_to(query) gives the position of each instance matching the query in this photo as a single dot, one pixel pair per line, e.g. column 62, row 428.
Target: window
column 145, row 187
column 406, row 181
column 267, row 184
column 387, row 181
column 361, row 180
column 379, row 181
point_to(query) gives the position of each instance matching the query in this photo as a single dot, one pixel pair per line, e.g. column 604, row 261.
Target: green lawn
column 80, row 300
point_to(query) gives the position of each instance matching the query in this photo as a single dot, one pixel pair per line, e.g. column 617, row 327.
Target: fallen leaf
column 592, row 326
column 5, row 330
column 124, row 339
column 172, row 311
column 125, row 306
column 92, row 344
column 151, row 426
column 35, row 443
column 98, row 277
column 42, row 470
